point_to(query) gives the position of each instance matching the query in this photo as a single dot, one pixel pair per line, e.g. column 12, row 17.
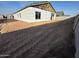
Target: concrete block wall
column 76, row 32
column 49, row 40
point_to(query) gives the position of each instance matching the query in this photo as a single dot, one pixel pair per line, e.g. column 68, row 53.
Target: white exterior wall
column 10, row 17
column 28, row 15
column 1, row 17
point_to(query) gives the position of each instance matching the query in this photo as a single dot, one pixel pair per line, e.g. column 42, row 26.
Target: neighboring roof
column 35, row 4
column 59, row 12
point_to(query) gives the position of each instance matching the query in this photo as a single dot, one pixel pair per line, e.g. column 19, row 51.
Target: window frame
column 37, row 15
column 20, row 15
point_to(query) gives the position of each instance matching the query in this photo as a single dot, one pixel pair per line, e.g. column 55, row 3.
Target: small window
column 17, row 15
column 37, row 15
column 20, row 15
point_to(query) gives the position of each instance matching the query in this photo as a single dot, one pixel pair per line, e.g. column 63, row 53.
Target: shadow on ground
column 51, row 40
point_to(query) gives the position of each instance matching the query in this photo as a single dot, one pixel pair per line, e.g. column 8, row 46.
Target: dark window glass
column 37, row 15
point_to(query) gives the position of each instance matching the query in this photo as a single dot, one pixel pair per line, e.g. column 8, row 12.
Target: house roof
column 35, row 4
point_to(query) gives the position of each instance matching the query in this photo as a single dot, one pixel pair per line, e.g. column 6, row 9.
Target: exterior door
column 52, row 15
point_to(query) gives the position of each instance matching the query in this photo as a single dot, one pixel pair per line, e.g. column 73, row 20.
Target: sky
column 69, row 7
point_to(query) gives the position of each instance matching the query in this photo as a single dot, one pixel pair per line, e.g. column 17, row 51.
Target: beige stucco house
column 42, row 11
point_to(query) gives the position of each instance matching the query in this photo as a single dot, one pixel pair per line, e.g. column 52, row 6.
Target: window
column 17, row 15
column 20, row 15
column 37, row 15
